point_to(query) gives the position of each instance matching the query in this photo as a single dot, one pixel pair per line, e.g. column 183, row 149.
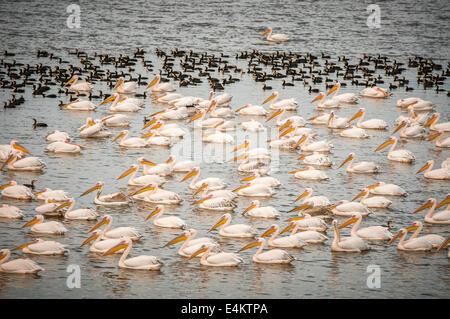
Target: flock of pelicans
column 215, row 114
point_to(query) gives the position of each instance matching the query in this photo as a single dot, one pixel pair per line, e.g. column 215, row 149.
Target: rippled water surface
column 115, row 27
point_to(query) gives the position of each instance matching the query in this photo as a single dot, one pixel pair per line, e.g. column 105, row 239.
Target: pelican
column 353, row 132
column 416, row 244
column 259, row 153
column 444, row 127
column 18, row 266
column 237, row 230
column 133, row 142
column 312, row 201
column 155, row 195
column 116, row 233
column 282, row 242
column 57, row 195
column 414, row 118
column 218, row 137
column 8, row 211
column 316, row 159
column 115, row 199
column 286, row 104
column 43, row 247
column 101, row 246
column 337, row 122
column 294, row 120
column 440, row 173
column 275, row 37
column 310, row 173
column 181, row 166
column 216, row 259
column 367, row 233
column 321, row 119
column 64, row 147
column 30, row 163
column 153, row 138
column 78, row 214
column 416, row 103
column 167, row 98
column 41, row 227
column 272, row 256
column 374, row 124
column 255, row 210
column 252, row 126
column 223, row 100
column 375, row 92
column 411, row 131
column 13, row 148
column 205, row 123
column 57, row 136
column 305, row 222
column 372, row 202
column 381, row 188
column 161, row 169
column 14, row 190
column 205, row 192
column 256, row 178
column 125, row 87
column 250, row 109
column 346, row 208
column 434, row 239
column 141, row 180
column 80, row 105
column 142, row 262
column 403, row 156
column 214, row 183
column 80, row 86
column 216, row 202
column 443, row 144
column 122, row 103
column 432, row 217
column 49, row 208
column 319, row 146
column 93, row 129
column 326, row 104
column 116, row 120
column 172, row 113
column 160, row 87
column 342, row 98
column 190, row 245
column 308, row 236
column 347, row 244
column 361, row 167
column 255, row 190
column 222, row 112
column 166, row 222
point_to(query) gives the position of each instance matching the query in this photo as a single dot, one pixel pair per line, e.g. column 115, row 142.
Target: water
column 407, row 28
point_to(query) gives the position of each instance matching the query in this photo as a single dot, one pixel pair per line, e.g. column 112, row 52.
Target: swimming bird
column 115, row 233
column 274, row 37
column 272, row 256
column 367, row 233
column 347, row 244
column 403, row 156
column 237, row 230
column 41, row 227
column 166, row 222
column 19, row 266
column 115, row 199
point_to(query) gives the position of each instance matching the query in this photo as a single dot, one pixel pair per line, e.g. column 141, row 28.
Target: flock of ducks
column 215, row 115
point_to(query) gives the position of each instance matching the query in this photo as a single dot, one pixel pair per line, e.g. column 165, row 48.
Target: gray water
column 114, row 27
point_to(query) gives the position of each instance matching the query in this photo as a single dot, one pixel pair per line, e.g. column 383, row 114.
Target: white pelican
column 41, row 227
column 160, row 87
column 18, row 266
column 57, row 136
column 57, row 195
column 325, row 104
column 286, row 104
column 154, row 138
column 321, row 119
column 142, row 262
column 168, row 130
column 347, row 244
column 78, row 214
column 214, row 183
column 171, row 113
column 416, row 103
column 443, row 144
column 167, row 98
column 372, row 202
column 318, row 146
column 12, row 148
column 121, row 103
column 115, row 199
column 313, row 201
column 316, row 159
column 310, row 173
column 272, row 256
column 222, row 100
column 413, row 118
column 337, row 122
column 416, row 244
column 294, row 120
column 255, row 210
column 346, row 208
column 30, row 163
column 116, row 120
column 255, row 190
column 117, row 232
column 217, row 193
column 375, row 92
column 434, row 239
column 80, row 105
column 8, row 211
column 250, row 109
column 223, row 112
column 381, row 188
column 80, row 86
column 259, row 153
column 132, row 142
column 409, row 131
column 361, row 167
column 64, row 147
column 275, row 37
column 432, row 123
column 237, row 230
column 181, row 166
column 43, row 247
column 205, row 123
column 215, row 202
column 101, row 246
column 256, row 178
column 217, row 258
column 368, row 233
column 432, row 217
column 439, row 173
column 353, row 132
column 282, row 242
column 403, row 156
column 14, row 190
column 374, row 124
column 141, row 180
column 342, row 98
column 125, row 87
column 190, row 245
column 93, row 129
column 218, row 137
column 305, row 222
column 161, row 169
column 49, row 208
column 155, row 195
column 252, row 126
column 166, row 222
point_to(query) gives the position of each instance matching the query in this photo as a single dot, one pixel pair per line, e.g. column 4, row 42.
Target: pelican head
column 37, row 240
column 98, row 185
column 147, row 188
column 350, row 157
column 36, row 220
column 123, row 244
column 223, row 220
column 273, row 228
column 119, row 83
column 271, row 97
column 334, row 88
column 351, row 220
column 319, row 97
column 258, row 242
column 158, row 209
column 133, row 168
column 253, row 204
column 390, row 141
column 269, row 30
column 95, row 234
column 399, row 234
column 244, row 145
column 105, row 220
column 434, row 136
column 358, row 114
column 399, row 127
column 430, row 202
column 121, row 135
column 182, row 237
column 427, row 165
column 444, row 202
column 363, row 192
column 193, row 172
column 154, row 81
column 288, row 227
